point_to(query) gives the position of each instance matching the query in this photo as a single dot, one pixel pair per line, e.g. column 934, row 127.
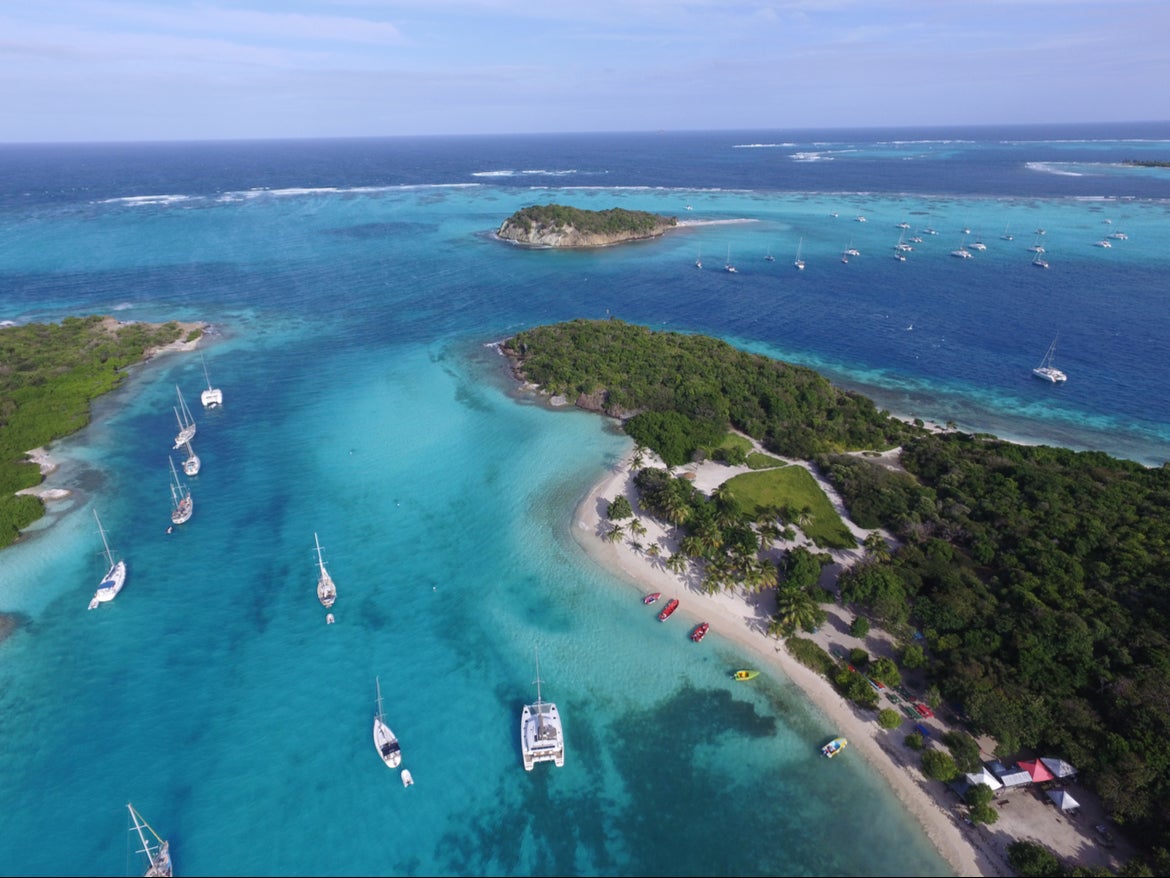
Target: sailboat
column 115, row 577
column 182, row 505
column 186, row 422
column 192, row 464
column 384, row 739
column 212, row 396
column 699, row 260
column 326, row 590
column 1046, row 370
column 727, row 266
column 799, row 263
column 158, row 853
column 541, row 736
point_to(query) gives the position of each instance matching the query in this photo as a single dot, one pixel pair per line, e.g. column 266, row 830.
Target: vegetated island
column 556, row 225
column 1147, row 163
column 49, row 374
column 1028, row 583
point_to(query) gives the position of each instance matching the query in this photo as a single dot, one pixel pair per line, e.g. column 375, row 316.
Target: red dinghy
column 700, row 631
column 652, row 597
column 670, row 607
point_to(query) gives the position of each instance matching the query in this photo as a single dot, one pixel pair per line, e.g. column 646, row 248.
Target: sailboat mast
column 109, row 554
column 539, row 703
column 320, row 561
column 139, row 825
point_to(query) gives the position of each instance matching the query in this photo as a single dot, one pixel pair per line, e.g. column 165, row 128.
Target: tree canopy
column 49, row 373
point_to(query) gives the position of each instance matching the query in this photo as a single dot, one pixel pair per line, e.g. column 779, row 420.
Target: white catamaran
column 158, row 853
column 1047, row 370
column 541, row 736
column 115, row 577
column 384, row 739
column 212, row 396
column 326, row 590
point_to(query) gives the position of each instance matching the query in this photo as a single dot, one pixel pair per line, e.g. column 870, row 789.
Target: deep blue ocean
column 354, row 289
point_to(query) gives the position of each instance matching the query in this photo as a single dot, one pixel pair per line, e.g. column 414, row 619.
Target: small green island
column 1028, row 582
column 49, row 374
column 1147, row 163
column 560, row 226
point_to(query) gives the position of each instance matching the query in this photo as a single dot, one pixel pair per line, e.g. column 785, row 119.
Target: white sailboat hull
column 387, row 744
column 111, row 584
column 211, row 397
column 1047, row 373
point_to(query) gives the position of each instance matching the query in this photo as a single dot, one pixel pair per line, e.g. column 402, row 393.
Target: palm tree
column 727, row 510
column 615, row 533
column 638, row 528
column 805, row 517
column 675, row 507
column 678, row 562
column 795, row 610
column 639, row 456
column 875, row 547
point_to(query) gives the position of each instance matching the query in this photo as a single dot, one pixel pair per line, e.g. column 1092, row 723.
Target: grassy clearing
column 793, row 491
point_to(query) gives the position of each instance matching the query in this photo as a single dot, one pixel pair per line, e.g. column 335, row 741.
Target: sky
column 136, row 70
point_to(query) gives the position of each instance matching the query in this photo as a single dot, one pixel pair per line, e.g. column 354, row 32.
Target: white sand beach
column 971, row 850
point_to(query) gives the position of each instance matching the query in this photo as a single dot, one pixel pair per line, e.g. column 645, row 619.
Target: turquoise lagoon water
column 354, row 291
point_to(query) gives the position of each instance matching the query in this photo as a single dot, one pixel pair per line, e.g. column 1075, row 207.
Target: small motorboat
column 407, row 779
column 329, row 619
column 700, row 631
column 745, row 675
column 834, row 747
column 670, row 607
column 652, row 597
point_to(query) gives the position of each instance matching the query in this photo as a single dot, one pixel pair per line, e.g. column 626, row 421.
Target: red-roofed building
column 1036, row 770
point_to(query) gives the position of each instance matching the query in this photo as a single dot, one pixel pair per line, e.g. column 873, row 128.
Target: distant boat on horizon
column 799, row 263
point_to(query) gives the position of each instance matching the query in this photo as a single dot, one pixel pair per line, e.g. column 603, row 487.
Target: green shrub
column 888, row 718
column 619, row 509
column 938, row 765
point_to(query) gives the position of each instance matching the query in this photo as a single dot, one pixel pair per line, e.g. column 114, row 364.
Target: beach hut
column 984, row 776
column 1009, row 777
column 1058, row 767
column 1037, row 771
column 1063, row 800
